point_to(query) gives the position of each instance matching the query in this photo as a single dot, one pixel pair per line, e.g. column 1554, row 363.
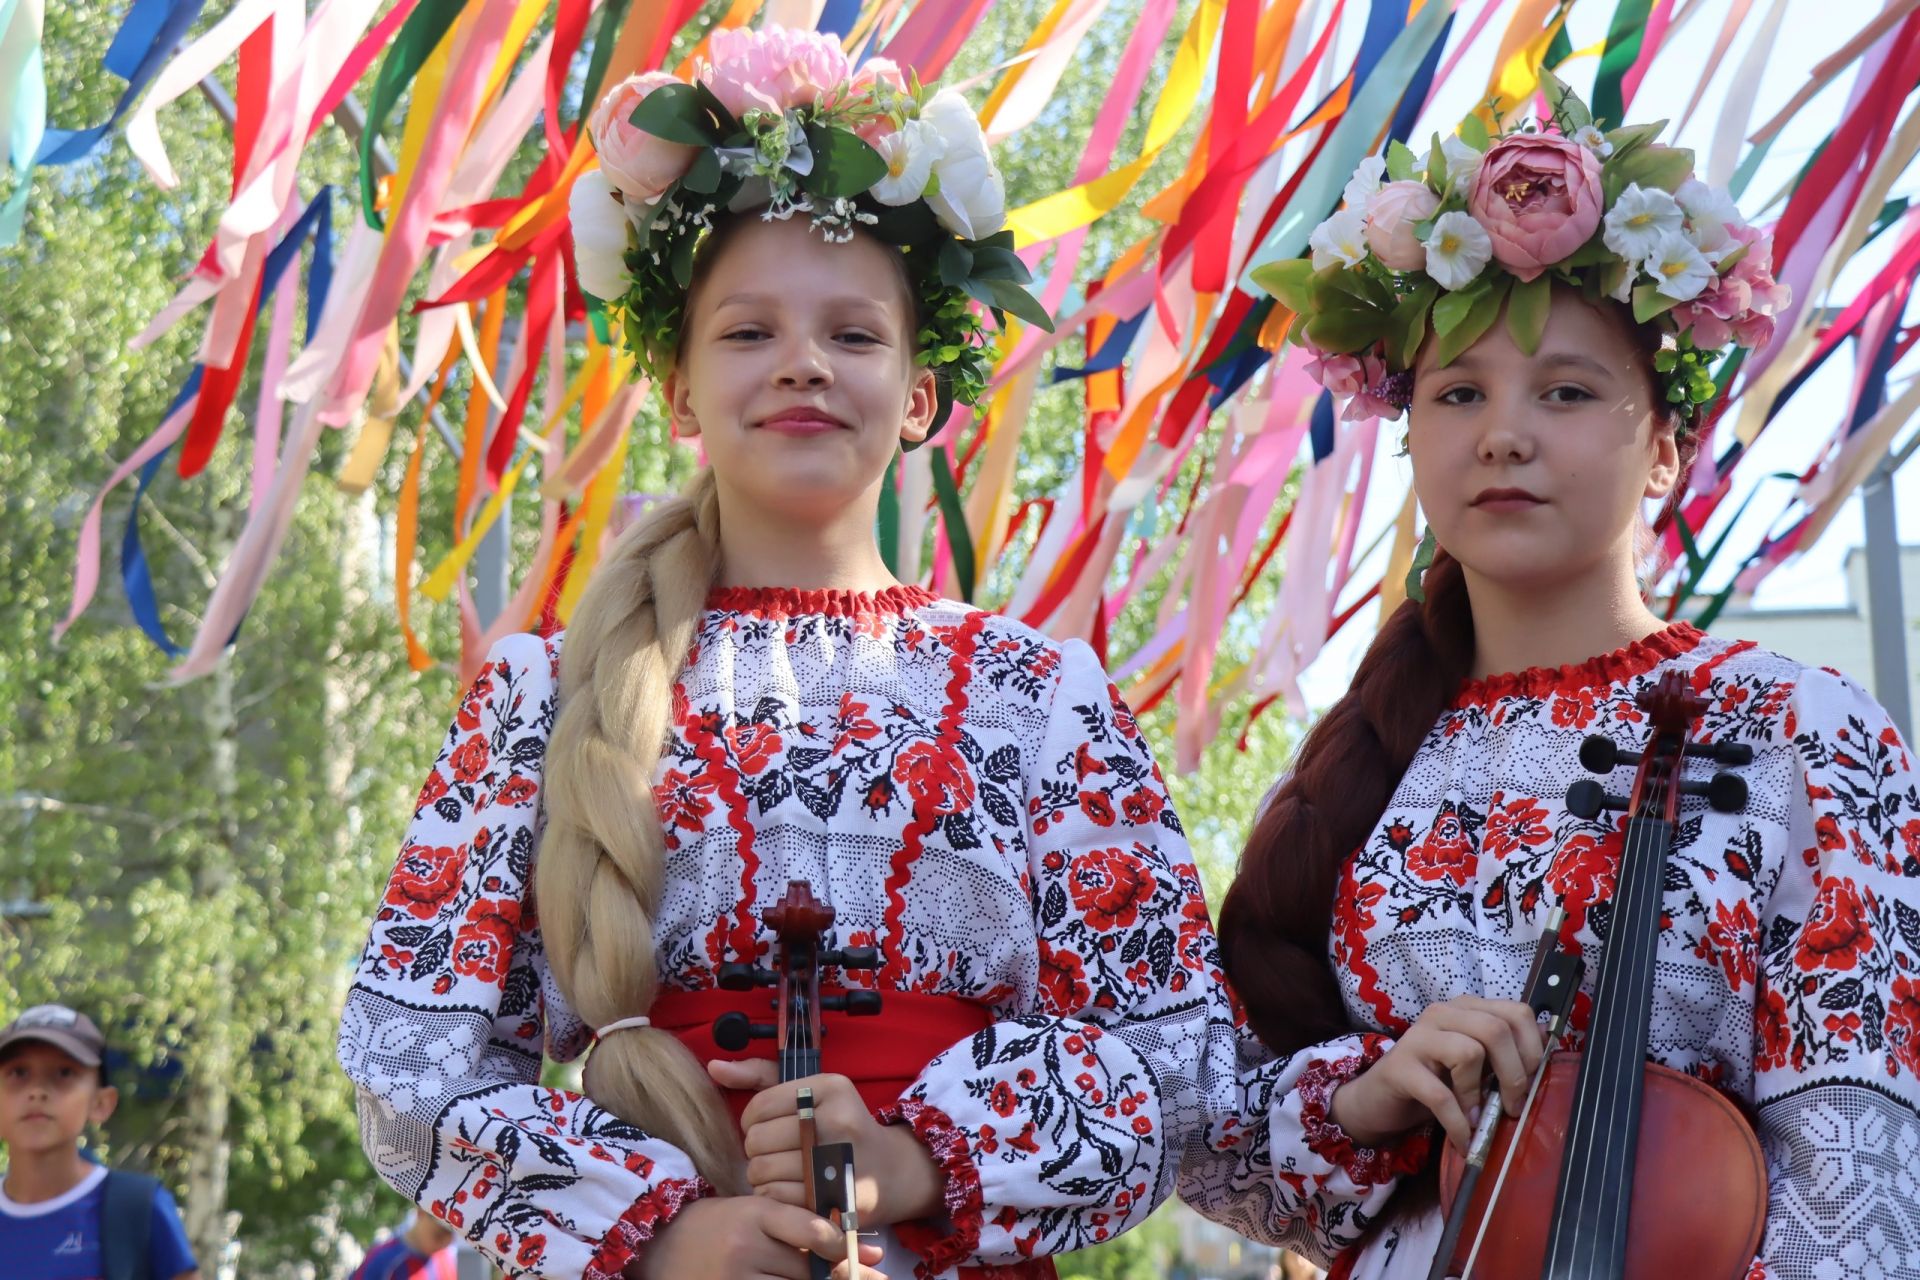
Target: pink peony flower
column 639, row 164
column 1342, row 375
column 1391, row 213
column 875, row 71
column 1538, row 196
column 772, row 70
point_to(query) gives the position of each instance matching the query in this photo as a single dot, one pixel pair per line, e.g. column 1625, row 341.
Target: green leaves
column 1407, row 328
column 844, row 166
column 1527, row 308
column 1564, row 103
column 1348, row 310
column 1649, row 302
column 1659, row 167
column 1400, row 161
column 1289, row 280
column 1486, row 294
column 673, row 112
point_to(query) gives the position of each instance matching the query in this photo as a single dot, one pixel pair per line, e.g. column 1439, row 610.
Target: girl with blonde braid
column 745, row 697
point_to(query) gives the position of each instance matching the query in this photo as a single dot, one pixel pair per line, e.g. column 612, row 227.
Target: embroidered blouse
column 1789, row 963
column 973, row 799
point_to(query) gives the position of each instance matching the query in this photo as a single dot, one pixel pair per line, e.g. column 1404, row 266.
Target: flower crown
column 778, row 120
column 1493, row 222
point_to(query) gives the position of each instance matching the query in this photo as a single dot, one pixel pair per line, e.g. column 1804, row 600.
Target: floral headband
column 779, row 121
column 1494, row 222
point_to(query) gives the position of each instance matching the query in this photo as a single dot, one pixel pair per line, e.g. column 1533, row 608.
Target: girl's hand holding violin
column 1437, row 1071
column 895, row 1178
column 745, row 1238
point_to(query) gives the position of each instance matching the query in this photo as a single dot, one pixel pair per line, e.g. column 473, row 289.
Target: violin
column 799, row 923
column 1617, row 1168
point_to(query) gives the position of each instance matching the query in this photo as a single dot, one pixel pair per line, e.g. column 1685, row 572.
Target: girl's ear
column 1664, row 475
column 680, row 406
column 923, row 401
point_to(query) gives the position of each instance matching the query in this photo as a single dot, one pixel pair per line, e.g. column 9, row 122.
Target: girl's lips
column 803, row 422
column 1501, row 501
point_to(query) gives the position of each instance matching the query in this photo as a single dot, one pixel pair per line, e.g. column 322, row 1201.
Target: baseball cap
column 71, row 1032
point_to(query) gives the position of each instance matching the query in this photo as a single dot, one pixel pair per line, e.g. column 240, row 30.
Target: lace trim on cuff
column 942, row 1249
column 640, row 1223
column 1365, row 1166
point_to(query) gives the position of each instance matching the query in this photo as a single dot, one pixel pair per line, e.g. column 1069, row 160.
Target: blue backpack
column 126, row 1226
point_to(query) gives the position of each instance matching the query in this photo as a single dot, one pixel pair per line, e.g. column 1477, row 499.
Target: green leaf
column 991, row 262
column 1422, row 561
column 843, row 164
column 673, row 112
column 956, row 264
column 1289, row 280
column 1649, row 302
column 705, row 173
column 1400, row 161
column 1473, row 132
column 1591, row 254
column 1345, row 332
column 1564, row 102
column 1630, row 138
column 1009, row 296
column 1436, row 165
column 1453, row 307
column 720, row 122
column 680, row 259
column 1408, row 327
column 1527, row 312
column 1653, row 166
column 1478, row 320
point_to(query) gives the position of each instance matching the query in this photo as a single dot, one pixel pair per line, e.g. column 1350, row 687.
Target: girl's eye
column 1460, row 395
column 1568, row 395
column 747, row 333
column 859, row 339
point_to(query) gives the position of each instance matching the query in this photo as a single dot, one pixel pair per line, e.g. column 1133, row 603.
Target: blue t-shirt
column 395, row 1259
column 59, row 1239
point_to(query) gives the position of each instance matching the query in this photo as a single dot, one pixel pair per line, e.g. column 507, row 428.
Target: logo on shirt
column 71, row 1245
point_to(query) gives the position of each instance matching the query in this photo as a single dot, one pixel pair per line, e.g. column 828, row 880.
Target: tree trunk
column 211, row 1051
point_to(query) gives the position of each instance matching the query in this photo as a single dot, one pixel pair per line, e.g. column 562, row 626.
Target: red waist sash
column 882, row 1055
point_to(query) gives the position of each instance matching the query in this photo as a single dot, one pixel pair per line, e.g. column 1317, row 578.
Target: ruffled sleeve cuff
column 642, row 1221
column 1365, row 1166
column 943, row 1245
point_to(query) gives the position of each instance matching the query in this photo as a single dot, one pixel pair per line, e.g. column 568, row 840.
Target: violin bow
column 1551, row 985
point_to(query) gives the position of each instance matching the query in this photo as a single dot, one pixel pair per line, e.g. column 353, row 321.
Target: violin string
column 1609, row 1091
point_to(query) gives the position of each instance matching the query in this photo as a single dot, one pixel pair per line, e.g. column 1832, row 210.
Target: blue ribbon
column 838, row 17
column 1320, row 431
column 1112, row 353
column 142, row 46
column 136, row 575
column 1385, row 20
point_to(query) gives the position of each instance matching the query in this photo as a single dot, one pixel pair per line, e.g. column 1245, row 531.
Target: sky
column 1811, row 30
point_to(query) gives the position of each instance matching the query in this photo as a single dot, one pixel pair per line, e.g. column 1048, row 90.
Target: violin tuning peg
column 1733, row 753
column 1586, row 798
column 1601, row 754
column 856, row 958
column 732, row 1031
column 738, row 976
column 1725, row 792
column 863, row 1004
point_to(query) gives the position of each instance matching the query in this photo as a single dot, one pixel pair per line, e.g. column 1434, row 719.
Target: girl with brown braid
column 1394, row 887
column 746, row 697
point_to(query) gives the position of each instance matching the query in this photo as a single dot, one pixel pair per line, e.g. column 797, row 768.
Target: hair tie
column 621, row 1025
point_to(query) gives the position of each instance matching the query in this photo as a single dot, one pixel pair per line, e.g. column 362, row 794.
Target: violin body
column 1698, row 1199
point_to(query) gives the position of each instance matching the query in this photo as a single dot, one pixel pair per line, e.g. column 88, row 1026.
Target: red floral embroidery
column 755, row 746
column 433, row 789
column 683, row 800
column 484, row 946
column 470, row 759
column 1515, row 826
column 1109, row 886
column 1733, row 938
column 1443, row 854
column 936, row 775
column 1365, row 1166
column 425, row 877
column 640, row 1223
column 1836, row 934
column 1063, row 981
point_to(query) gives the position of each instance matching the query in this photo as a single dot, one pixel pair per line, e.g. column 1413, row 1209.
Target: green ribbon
column 889, row 519
column 1624, row 35
column 419, row 36
column 603, row 41
column 954, row 520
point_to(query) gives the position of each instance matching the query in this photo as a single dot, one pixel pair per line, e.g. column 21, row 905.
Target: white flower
column 1458, row 250
column 1365, row 181
column 1639, row 220
column 1679, row 269
column 1339, row 241
column 1623, row 291
column 1593, row 140
column 909, row 154
column 1712, row 238
column 599, row 236
column 1463, row 163
column 972, row 199
column 1702, row 202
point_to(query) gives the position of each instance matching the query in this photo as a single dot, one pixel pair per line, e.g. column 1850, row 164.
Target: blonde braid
column 603, row 855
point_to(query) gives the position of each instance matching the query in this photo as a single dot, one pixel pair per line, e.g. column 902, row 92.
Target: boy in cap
column 63, row 1217
column 424, row 1249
